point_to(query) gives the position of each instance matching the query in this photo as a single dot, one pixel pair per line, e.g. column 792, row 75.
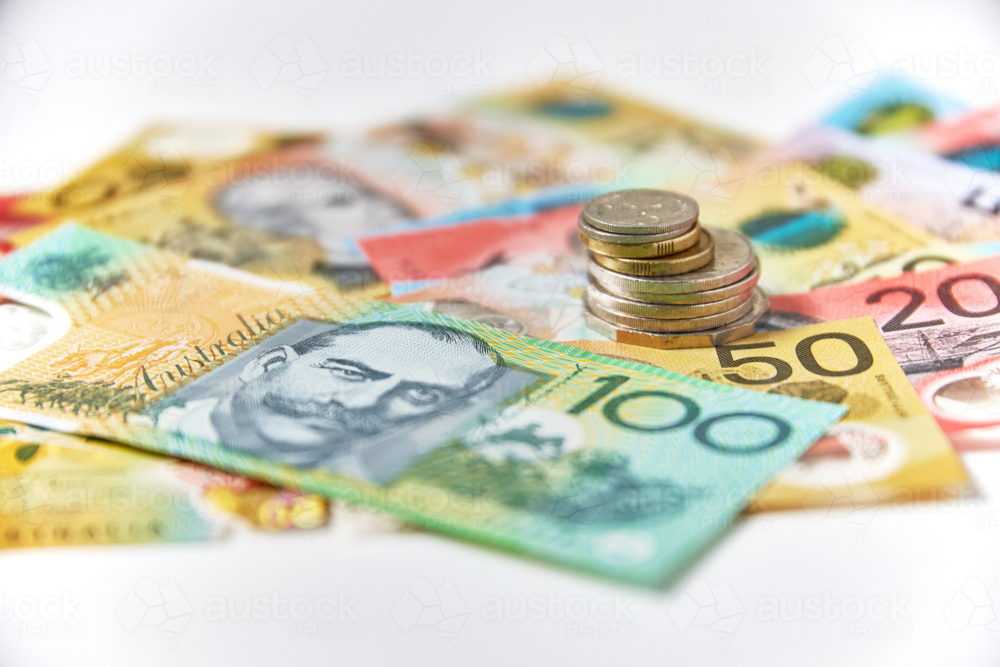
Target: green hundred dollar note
column 610, row 466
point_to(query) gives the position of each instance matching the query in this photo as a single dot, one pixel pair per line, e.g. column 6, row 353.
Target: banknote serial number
column 702, row 432
column 946, row 294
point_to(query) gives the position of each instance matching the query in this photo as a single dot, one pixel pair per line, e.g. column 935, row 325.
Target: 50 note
column 887, row 447
column 941, row 326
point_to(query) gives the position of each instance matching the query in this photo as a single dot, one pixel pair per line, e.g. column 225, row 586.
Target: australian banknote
column 945, row 198
column 886, row 449
column 279, row 213
column 658, row 147
column 942, row 327
column 61, row 489
column 537, row 300
column 971, row 139
column 450, row 251
column 808, row 229
column 289, row 206
column 159, row 162
column 891, row 106
column 928, row 258
column 473, row 157
column 610, row 466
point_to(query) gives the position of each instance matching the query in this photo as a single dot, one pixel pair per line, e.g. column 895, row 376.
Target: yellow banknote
column 932, row 257
column 60, row 489
column 661, row 148
column 158, row 189
column 886, row 449
column 158, row 162
column 808, row 230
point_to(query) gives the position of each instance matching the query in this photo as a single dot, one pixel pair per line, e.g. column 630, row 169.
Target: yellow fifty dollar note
column 158, row 189
column 159, row 162
column 887, row 448
column 660, row 148
column 808, row 230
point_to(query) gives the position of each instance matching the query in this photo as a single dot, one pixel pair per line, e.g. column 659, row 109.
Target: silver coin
column 630, row 239
column 667, row 326
column 734, row 259
column 640, row 212
column 742, row 287
column 721, row 335
column 657, row 311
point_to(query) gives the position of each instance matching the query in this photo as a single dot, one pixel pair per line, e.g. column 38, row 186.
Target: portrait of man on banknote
column 316, row 201
column 362, row 399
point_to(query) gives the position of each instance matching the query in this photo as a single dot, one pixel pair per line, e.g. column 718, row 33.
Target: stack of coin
column 660, row 279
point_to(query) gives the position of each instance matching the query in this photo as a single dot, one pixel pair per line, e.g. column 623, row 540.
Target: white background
column 923, row 556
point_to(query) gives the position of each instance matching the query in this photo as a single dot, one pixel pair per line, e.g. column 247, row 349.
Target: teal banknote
column 605, row 465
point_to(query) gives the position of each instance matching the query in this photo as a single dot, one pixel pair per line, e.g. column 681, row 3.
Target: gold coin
column 683, row 262
column 661, row 326
column 657, row 311
column 734, row 259
column 742, row 288
column 721, row 335
column 642, row 250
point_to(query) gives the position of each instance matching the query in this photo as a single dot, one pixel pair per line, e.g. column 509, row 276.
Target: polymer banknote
column 537, row 300
column 892, row 106
column 945, row 198
column 808, row 229
column 159, row 162
column 942, row 327
column 928, row 258
column 447, row 252
column 660, row 148
column 531, row 446
column 971, row 139
column 886, row 449
column 61, row 489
